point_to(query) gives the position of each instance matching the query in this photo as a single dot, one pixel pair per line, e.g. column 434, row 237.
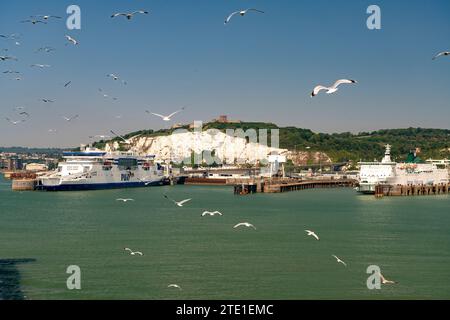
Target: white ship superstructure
column 93, row 169
column 388, row 172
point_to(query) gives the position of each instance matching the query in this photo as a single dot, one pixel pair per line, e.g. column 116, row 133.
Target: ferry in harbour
column 94, row 169
column 411, row 172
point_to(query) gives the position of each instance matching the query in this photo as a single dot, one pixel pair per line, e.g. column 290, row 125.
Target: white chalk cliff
column 228, row 149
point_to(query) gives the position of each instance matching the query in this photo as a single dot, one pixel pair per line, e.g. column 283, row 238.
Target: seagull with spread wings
column 178, row 203
column 14, row 122
column 244, row 224
column 69, row 119
column 33, row 21
column 4, row 58
column 241, row 13
column 165, row 118
column 71, row 40
column 129, row 15
column 45, row 17
column 338, row 260
column 126, row 141
column 133, row 253
column 313, row 234
column 333, row 88
column 440, row 54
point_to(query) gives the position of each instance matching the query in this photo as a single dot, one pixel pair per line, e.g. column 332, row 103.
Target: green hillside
column 434, row 143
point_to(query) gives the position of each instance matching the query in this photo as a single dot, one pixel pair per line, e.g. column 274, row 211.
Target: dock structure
column 385, row 190
column 287, row 185
column 23, row 184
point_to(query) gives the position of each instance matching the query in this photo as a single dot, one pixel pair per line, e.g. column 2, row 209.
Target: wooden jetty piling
column 287, row 185
column 385, row 190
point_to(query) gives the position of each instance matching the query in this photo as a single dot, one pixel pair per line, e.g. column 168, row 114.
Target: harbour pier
column 287, row 185
column 385, row 190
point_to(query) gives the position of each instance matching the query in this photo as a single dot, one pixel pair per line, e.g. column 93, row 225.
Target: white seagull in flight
column 129, row 15
column 211, row 213
column 71, row 118
column 46, row 17
column 4, row 58
column 312, row 233
column 126, row 141
column 40, row 65
column 71, row 40
column 124, row 200
column 165, row 118
column 173, row 285
column 178, row 203
column 48, row 100
column 333, row 88
column 241, row 13
column 440, row 54
column 133, row 253
column 244, row 224
column 114, row 77
column 14, row 122
column 385, row 281
column 33, row 21
column 339, row 260
column 46, row 49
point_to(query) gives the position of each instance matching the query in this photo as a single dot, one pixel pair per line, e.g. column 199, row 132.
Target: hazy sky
column 261, row 67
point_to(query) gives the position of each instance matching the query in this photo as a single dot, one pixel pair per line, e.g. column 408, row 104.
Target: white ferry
column 94, row 169
column 411, row 172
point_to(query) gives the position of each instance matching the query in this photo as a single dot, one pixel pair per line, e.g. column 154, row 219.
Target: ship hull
column 98, row 186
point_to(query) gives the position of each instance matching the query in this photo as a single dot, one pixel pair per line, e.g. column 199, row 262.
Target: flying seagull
column 124, row 200
column 173, row 285
column 45, row 17
column 213, row 213
column 241, row 13
column 33, row 21
column 165, row 118
column 71, row 40
column 126, row 141
column 11, row 71
column 71, row 118
column 312, row 233
column 48, row 100
column 23, row 113
column 384, row 280
column 244, row 224
column 12, row 36
column 146, row 182
column 105, row 95
column 4, row 58
column 99, row 136
column 133, row 253
column 129, row 15
column 331, row 89
column 114, row 77
column 40, row 65
column 339, row 260
column 14, row 122
column 178, row 203
column 67, row 84
column 444, row 53
column 46, row 49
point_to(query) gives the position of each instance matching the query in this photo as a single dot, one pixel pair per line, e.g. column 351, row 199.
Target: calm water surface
column 43, row 233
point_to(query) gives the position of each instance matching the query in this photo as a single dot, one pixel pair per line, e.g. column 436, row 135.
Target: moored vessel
column 94, row 169
column 413, row 172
